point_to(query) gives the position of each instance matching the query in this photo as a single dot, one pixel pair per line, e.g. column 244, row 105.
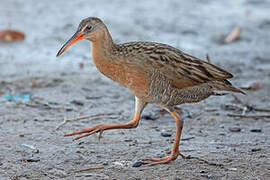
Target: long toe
column 87, row 134
column 164, row 160
column 155, row 159
column 85, row 130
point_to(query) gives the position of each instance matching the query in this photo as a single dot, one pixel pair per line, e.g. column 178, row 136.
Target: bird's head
column 90, row 28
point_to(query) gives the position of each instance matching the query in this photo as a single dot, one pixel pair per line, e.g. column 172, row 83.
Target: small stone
column 232, row 169
column 207, row 176
column 118, row 164
column 256, row 130
column 150, row 117
column 165, row 134
column 69, row 109
column 256, row 149
column 30, row 159
column 137, row 164
column 128, row 140
column 222, row 134
column 77, row 102
column 92, row 98
column 35, row 150
column 80, row 143
column 81, row 65
column 234, row 129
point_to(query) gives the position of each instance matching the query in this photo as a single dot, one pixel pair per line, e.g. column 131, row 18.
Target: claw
column 100, row 134
column 182, row 155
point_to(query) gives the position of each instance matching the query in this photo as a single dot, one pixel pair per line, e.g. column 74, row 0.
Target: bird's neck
column 103, row 56
column 103, row 46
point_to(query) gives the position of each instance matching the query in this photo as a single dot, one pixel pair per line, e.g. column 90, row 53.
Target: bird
column 155, row 73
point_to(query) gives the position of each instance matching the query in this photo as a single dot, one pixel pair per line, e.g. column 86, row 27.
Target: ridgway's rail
column 155, row 73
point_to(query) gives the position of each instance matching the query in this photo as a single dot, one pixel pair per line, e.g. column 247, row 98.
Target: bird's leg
column 140, row 105
column 175, row 150
column 164, row 111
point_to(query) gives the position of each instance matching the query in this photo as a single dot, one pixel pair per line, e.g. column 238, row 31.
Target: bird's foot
column 88, row 131
column 163, row 160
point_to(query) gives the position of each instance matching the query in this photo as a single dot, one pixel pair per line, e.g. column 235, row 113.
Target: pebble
column 165, row 134
column 118, row 164
column 35, row 150
column 77, row 102
column 207, row 176
column 234, row 129
column 81, row 65
column 30, row 159
column 150, row 117
column 128, row 140
column 92, row 97
column 221, row 134
column 256, row 130
column 69, row 109
column 137, row 164
column 232, row 169
column 256, row 149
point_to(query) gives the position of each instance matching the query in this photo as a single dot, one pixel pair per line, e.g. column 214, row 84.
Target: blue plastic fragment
column 17, row 97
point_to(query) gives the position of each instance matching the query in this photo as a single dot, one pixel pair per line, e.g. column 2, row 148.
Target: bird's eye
column 88, row 28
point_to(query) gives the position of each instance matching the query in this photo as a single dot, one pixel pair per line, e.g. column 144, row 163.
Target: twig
column 250, row 107
column 238, row 100
column 88, row 169
column 249, row 116
column 234, row 35
column 260, row 109
column 82, row 117
column 188, row 138
column 205, row 161
column 208, row 58
column 232, row 107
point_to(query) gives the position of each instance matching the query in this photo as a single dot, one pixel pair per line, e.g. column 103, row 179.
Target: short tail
column 225, row 85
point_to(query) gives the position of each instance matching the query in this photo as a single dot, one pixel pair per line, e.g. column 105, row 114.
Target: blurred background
column 195, row 26
column 38, row 91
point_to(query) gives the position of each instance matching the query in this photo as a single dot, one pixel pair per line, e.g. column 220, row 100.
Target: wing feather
column 181, row 69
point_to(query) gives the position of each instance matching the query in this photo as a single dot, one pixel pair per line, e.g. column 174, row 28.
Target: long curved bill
column 76, row 37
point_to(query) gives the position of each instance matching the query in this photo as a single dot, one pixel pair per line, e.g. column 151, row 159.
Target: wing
column 181, row 69
column 185, row 70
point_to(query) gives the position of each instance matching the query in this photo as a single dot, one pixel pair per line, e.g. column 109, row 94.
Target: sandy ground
column 217, row 146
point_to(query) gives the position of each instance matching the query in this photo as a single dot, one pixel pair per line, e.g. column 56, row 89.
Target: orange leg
column 140, row 105
column 175, row 150
column 164, row 111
